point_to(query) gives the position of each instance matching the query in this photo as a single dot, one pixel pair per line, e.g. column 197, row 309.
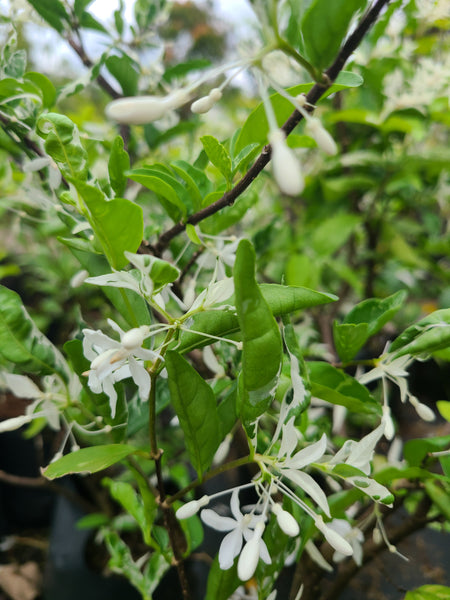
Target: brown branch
column 263, row 159
column 87, row 62
column 312, row 576
column 42, row 482
column 414, row 523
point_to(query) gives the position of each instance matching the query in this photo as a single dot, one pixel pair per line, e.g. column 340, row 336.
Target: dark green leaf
column 196, row 408
column 45, row 85
column 125, row 70
column 261, row 338
column 221, row 584
column 53, row 12
column 337, row 387
column 324, row 26
column 349, row 338
column 282, row 300
column 415, row 451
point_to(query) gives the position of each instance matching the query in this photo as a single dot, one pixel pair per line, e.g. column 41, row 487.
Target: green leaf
column 256, row 129
column 262, row 346
column 349, row 338
column 221, row 584
column 218, row 155
column 415, row 451
column 281, row 299
column 53, row 12
column 45, row 85
column 118, row 164
column 331, row 234
column 443, row 407
column 88, row 460
column 22, row 343
column 126, row 495
column 189, row 175
column 337, row 387
column 324, row 26
column 376, row 313
column 363, row 321
column 427, row 335
column 429, row 592
column 118, row 224
column 163, row 186
column 439, row 495
column 62, row 144
column 196, row 408
column 125, row 70
column 182, row 69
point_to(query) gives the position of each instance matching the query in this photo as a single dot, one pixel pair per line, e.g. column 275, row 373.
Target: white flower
column 112, row 361
column 352, row 535
column 240, row 527
column 395, row 371
column 144, row 109
column 47, row 404
column 285, row 166
column 359, row 454
column 290, row 467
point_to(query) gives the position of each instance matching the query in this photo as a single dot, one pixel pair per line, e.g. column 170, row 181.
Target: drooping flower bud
column 286, row 168
column 204, row 104
column 248, row 560
column 144, row 109
column 286, row 521
column 386, row 419
column 316, row 130
column 422, row 410
column 333, row 538
column 191, row 508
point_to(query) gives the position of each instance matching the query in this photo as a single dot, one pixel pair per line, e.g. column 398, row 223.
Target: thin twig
column 263, row 159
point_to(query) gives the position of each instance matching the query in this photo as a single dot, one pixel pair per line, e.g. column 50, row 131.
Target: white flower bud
column 333, row 538
column 389, row 429
column 133, row 338
column 316, row 130
column 286, row 521
column 422, row 410
column 191, row 508
column 286, row 168
column 248, row 560
column 143, row 109
column 202, row 105
column 215, row 94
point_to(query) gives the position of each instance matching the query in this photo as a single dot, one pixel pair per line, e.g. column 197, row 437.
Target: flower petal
column 311, row 487
column 218, row 522
column 229, row 548
column 308, row 455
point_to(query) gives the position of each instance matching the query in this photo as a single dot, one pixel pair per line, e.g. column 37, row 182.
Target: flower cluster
column 285, row 473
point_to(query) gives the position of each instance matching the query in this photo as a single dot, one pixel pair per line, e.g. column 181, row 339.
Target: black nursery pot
column 67, row 576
